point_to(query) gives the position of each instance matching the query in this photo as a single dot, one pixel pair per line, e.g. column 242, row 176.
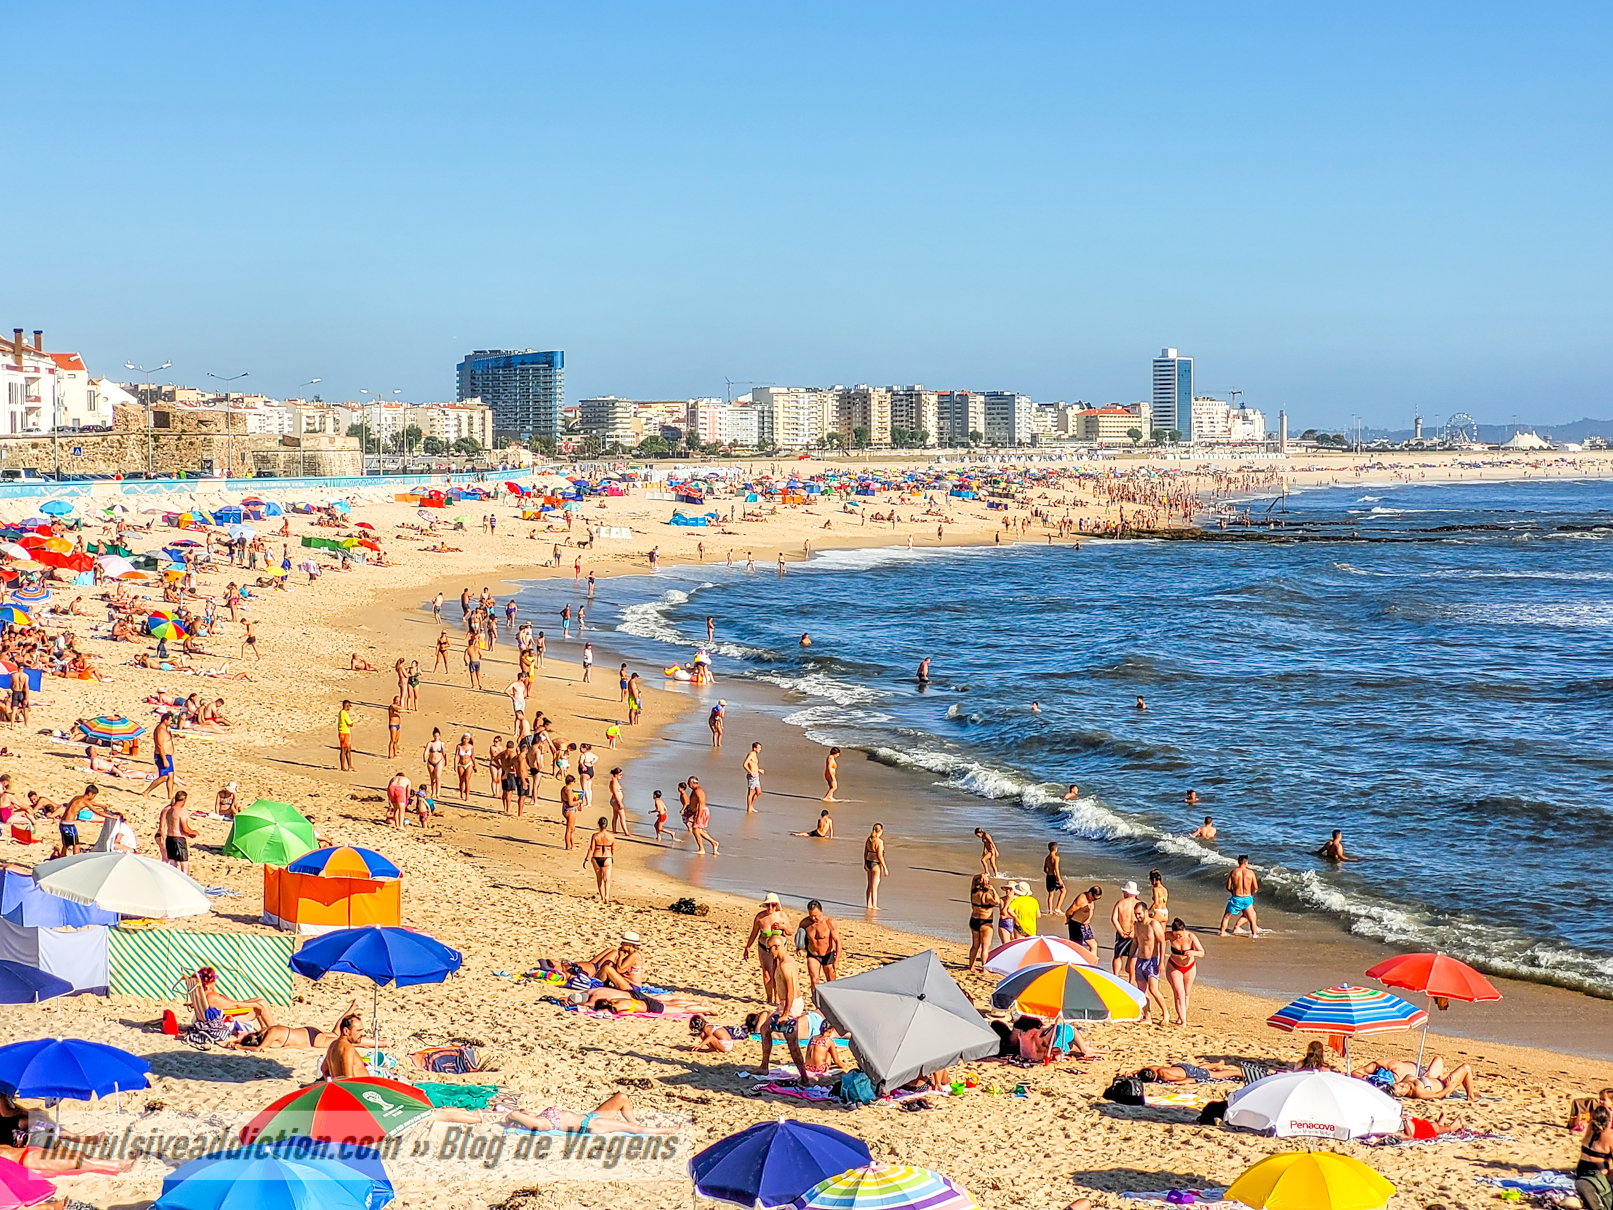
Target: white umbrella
column 115, row 565
column 1318, row 1104
column 16, row 551
column 243, row 531
column 1028, row 951
column 309, row 566
column 123, row 882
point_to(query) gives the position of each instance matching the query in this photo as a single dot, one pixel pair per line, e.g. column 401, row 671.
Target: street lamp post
column 129, row 365
column 302, row 456
column 379, row 398
column 229, row 435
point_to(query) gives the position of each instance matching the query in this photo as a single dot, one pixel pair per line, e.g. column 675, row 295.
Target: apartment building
column 610, row 420
column 960, row 413
column 866, row 408
column 525, row 388
column 44, row 391
column 1008, row 417
column 917, row 412
column 793, row 418
column 1218, row 422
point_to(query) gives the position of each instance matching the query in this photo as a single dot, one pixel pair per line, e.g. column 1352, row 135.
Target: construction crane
column 732, row 383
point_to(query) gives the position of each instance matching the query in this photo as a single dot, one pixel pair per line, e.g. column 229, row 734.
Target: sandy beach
column 505, row 892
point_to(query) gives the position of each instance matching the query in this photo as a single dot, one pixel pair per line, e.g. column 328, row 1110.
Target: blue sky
column 1364, row 208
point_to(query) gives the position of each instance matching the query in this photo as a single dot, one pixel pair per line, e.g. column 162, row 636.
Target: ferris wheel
column 1460, row 429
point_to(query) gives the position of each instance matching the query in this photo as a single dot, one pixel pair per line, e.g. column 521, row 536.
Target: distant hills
column 1494, row 434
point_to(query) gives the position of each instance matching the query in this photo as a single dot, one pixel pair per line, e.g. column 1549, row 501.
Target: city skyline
column 1369, row 212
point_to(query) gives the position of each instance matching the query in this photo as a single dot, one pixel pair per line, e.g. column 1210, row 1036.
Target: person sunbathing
column 1186, row 1073
column 613, row 1115
column 294, row 1037
column 1429, row 1087
column 1417, row 1130
column 639, row 1001
column 1386, row 1073
column 1036, row 1043
column 358, row 663
column 101, row 763
column 35, row 1159
column 721, row 1038
column 216, row 999
column 620, row 966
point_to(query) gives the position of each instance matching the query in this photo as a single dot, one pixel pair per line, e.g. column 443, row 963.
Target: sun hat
column 771, row 898
column 630, row 939
column 1129, row 888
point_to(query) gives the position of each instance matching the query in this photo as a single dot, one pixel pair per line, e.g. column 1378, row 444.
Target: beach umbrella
column 381, row 955
column 906, row 1018
column 115, row 566
column 308, row 566
column 75, row 561
column 886, row 1187
column 15, row 615
column 24, row 984
column 56, row 508
column 123, row 882
column 15, row 551
column 166, row 628
column 363, row 525
column 1029, row 951
column 345, row 861
column 242, row 531
column 20, row 1187
column 29, row 597
column 1321, row 1104
column 1069, row 992
column 270, row 833
column 69, row 1068
column 361, row 1111
column 1347, row 1011
column 773, row 1163
column 1310, row 1180
column 277, row 1178
column 1439, row 977
column 110, row 728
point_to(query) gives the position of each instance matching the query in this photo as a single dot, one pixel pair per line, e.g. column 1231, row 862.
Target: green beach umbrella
column 271, row 833
column 361, row 1111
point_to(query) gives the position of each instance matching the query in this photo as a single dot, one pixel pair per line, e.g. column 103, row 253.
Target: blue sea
column 1428, row 667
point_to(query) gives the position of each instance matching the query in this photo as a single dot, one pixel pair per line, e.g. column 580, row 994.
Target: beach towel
column 464, row 1096
column 1539, row 1182
column 1453, row 1136
column 447, row 1060
column 820, row 1095
column 1184, row 1098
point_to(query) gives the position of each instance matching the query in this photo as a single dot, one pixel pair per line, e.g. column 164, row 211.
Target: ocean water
column 1429, row 668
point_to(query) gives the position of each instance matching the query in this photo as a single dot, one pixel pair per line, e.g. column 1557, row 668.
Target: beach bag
column 857, row 1089
column 1127, row 1090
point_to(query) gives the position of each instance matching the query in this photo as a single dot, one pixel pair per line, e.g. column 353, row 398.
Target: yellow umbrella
column 1311, row 1180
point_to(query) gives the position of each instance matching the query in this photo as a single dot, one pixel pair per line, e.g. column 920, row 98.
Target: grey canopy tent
column 906, row 1019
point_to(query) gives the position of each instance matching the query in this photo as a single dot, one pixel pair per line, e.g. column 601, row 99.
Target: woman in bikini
column 443, row 643
column 569, row 807
column 601, row 851
column 1595, row 1152
column 411, row 683
column 436, row 756
column 290, row 1037
column 1186, row 950
column 874, row 863
column 982, row 903
column 465, row 764
column 495, row 753
column 614, row 1115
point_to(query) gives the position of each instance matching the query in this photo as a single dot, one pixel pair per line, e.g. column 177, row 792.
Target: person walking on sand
column 874, row 864
column 1124, row 918
column 394, row 726
column 700, row 816
column 443, row 644
column 714, row 721
column 822, row 936
column 988, row 853
column 435, row 756
column 983, row 902
column 1055, row 879
column 162, row 755
column 174, row 833
column 473, row 660
column 753, row 778
column 790, row 1008
column 465, row 764
column 658, row 807
column 344, row 735
column 587, row 662
column 1149, row 936
column 436, row 609
column 1181, row 963
column 570, row 807
column 251, row 640
column 601, row 851
column 767, row 922
column 831, row 774
column 1242, row 887
column 618, row 805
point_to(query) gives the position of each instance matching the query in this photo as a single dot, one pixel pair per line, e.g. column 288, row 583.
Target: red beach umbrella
column 1441, row 978
column 1436, row 975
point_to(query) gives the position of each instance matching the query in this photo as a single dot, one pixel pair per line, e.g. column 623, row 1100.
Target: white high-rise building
column 1008, row 418
column 609, row 419
column 793, row 418
column 1215, row 420
column 960, row 413
column 1173, row 393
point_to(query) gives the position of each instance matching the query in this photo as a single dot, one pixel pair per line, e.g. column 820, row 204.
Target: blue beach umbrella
column 69, row 1067
column 29, row 597
column 56, row 508
column 380, row 954
column 285, row 1177
column 24, row 984
column 773, row 1163
column 14, row 614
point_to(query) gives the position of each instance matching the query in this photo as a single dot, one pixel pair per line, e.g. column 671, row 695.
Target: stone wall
column 165, row 452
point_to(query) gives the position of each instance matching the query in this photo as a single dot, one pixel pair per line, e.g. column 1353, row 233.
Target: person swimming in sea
column 923, row 676
column 1205, row 831
column 1333, row 850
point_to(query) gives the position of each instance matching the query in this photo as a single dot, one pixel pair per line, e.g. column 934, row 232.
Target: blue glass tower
column 526, row 389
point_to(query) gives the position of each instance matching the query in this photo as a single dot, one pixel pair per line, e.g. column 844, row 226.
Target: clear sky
column 1336, row 208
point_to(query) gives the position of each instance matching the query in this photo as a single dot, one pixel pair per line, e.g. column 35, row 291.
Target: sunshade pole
column 1423, row 1045
column 375, row 1024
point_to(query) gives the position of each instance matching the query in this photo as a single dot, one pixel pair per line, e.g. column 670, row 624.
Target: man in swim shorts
column 1078, row 918
column 1243, row 886
column 822, row 937
column 1124, row 918
column 753, row 778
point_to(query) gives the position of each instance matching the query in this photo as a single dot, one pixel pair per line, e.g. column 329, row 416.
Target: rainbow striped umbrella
column 1029, row 951
column 1064, row 991
column 111, row 728
column 29, row 597
column 15, row 615
column 886, row 1187
column 166, row 628
column 1347, row 1011
column 346, row 861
